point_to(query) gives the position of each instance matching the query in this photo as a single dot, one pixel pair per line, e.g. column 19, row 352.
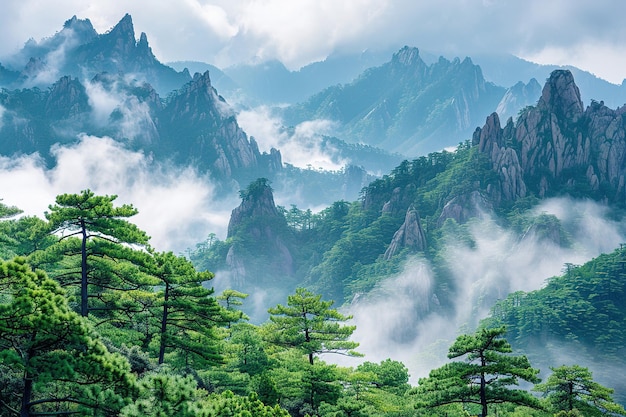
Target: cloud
column 301, row 148
column 223, row 32
column 177, row 207
column 133, row 118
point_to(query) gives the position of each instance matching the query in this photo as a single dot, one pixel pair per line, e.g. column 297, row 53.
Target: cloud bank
column 177, row 207
column 587, row 34
column 301, row 147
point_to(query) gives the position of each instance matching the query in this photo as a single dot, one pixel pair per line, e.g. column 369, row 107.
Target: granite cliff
column 558, row 145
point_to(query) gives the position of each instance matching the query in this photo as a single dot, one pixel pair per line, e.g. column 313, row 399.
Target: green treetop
column 483, row 378
column 571, row 388
column 94, row 218
column 51, row 361
column 188, row 314
column 309, row 324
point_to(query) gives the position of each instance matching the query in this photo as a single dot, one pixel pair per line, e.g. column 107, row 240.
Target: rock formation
column 558, row 143
column 410, row 235
column 262, row 229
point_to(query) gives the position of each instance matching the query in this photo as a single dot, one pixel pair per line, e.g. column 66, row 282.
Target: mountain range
column 438, row 154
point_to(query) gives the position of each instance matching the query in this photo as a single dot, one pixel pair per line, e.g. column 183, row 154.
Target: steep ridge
column 405, row 105
column 77, row 50
column 558, row 146
column 193, row 126
column 199, row 126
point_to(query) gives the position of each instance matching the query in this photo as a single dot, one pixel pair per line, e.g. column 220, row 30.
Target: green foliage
column 483, row 378
column 310, row 325
column 187, row 315
column 51, row 356
column 571, row 389
column 102, row 229
column 164, row 395
column 585, row 307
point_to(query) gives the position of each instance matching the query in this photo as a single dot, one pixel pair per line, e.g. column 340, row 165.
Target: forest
column 94, row 321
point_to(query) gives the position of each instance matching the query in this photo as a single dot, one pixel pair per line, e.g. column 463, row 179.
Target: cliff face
column 199, row 125
column 410, row 235
column 261, row 257
column 558, row 143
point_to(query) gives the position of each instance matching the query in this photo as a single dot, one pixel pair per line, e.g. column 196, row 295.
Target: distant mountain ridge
column 79, row 51
column 405, row 105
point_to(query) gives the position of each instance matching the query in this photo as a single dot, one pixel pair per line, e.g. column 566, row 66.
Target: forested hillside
column 96, row 322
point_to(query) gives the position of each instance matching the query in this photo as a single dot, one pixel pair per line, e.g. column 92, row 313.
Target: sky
column 588, row 34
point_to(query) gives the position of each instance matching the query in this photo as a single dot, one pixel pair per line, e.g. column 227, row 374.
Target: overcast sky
column 589, row 34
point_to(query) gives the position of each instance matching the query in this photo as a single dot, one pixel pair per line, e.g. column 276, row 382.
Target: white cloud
column 223, row 32
column 177, row 207
column 302, row 148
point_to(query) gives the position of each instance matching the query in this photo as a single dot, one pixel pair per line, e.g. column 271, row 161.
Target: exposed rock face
column 257, row 219
column 400, row 200
column 67, row 99
column 558, row 142
column 464, row 207
column 77, row 50
column 410, row 235
column 211, row 134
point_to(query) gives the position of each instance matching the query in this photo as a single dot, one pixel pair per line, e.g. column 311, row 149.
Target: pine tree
column 309, row 324
column 483, row 378
column 571, row 388
column 104, row 236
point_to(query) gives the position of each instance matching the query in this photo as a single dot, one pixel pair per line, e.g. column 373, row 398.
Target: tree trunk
column 84, row 309
column 164, row 324
column 483, row 388
column 27, row 393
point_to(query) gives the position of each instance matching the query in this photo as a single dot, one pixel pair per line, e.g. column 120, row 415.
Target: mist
column 177, row 207
column 301, row 147
column 399, row 318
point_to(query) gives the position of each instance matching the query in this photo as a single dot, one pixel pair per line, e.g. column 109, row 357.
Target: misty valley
column 391, row 235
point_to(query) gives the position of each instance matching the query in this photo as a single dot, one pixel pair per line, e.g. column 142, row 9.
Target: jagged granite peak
column 405, row 106
column 258, row 218
column 78, row 50
column 410, row 235
column 465, row 207
column 67, row 98
column 562, row 96
column 257, row 202
column 81, row 27
column 408, row 56
column 556, row 145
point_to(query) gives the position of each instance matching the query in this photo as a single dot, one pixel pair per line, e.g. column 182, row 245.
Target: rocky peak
column 408, row 56
column 517, row 97
column 258, row 219
column 257, row 202
column 561, row 96
column 81, row 27
column 410, row 235
column 67, row 98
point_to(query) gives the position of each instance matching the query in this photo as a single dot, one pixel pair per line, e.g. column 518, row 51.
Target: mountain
column 508, row 70
column 517, row 97
column 192, row 126
column 558, row 146
column 272, row 83
column 77, row 50
column 555, row 148
column 405, row 105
